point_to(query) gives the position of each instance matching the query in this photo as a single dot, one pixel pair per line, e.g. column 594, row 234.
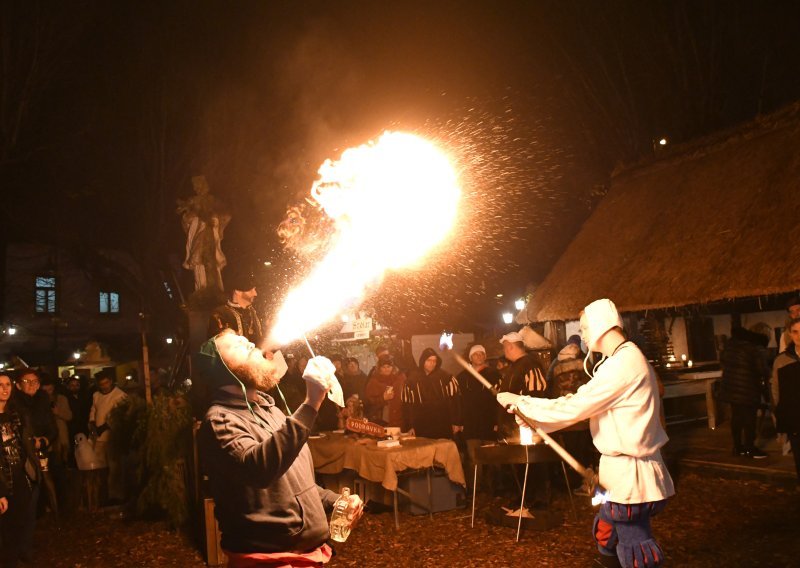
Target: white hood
column 597, row 318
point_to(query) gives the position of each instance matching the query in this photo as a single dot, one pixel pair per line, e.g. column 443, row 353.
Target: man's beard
column 257, row 375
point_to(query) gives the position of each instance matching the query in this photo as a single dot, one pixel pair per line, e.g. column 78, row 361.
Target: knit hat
column 597, row 318
column 213, row 370
column 240, row 278
column 476, row 349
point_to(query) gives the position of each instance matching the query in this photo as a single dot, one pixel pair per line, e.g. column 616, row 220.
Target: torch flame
column 391, row 202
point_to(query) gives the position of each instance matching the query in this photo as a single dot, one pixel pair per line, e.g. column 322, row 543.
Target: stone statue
column 204, row 220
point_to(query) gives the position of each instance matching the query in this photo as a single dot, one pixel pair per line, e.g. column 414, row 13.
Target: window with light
column 109, row 302
column 45, row 294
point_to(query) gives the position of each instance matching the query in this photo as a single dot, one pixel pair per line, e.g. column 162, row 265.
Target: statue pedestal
column 199, row 396
column 198, row 327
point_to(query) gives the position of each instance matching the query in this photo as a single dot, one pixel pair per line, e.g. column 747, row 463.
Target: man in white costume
column 622, row 404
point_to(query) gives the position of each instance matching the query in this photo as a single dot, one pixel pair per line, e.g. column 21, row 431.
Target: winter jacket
column 743, row 368
column 567, row 375
column 354, row 384
column 37, row 408
column 786, row 390
column 433, row 402
column 478, row 404
column 259, row 467
column 379, row 410
column 17, row 425
column 261, row 476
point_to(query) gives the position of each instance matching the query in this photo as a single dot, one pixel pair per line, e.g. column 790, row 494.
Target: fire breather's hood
column 597, row 318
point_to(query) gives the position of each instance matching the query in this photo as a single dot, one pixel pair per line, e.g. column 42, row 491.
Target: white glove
column 322, row 372
column 507, row 399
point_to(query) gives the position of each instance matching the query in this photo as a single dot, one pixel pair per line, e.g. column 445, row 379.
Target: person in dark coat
column 477, row 402
column 238, row 312
column 432, row 399
column 34, row 403
column 744, row 372
column 354, row 380
column 786, row 391
column 20, row 474
column 79, row 403
column 565, row 376
column 524, row 375
column 477, row 406
column 382, row 402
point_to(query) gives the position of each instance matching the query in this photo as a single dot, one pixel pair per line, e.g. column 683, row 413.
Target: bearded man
column 259, row 468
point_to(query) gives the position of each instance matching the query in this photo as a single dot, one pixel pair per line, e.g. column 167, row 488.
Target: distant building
column 61, row 302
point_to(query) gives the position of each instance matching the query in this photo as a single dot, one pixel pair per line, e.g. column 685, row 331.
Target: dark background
column 108, row 108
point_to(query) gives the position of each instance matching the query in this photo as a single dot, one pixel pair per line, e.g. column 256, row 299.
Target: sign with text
column 361, row 328
column 364, row 427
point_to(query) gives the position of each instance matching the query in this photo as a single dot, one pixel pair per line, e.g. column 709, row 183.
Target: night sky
column 109, row 108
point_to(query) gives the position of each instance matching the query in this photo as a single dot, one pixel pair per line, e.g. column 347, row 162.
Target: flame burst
column 391, row 202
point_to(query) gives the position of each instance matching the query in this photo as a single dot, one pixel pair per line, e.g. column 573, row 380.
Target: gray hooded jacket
column 259, row 469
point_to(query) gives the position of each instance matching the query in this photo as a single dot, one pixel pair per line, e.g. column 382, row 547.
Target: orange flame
column 391, row 201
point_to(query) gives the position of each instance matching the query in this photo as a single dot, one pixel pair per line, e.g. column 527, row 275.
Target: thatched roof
column 715, row 219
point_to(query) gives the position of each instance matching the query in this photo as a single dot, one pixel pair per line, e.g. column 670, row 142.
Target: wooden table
column 693, row 384
column 333, row 452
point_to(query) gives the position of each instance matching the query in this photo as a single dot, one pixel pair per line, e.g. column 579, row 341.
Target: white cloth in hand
column 321, row 371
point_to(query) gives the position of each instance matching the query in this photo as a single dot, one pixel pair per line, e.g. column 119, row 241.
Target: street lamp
column 508, row 317
column 520, row 304
column 76, row 355
column 11, row 330
column 169, row 340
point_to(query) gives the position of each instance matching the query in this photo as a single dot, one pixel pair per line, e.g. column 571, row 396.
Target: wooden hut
column 695, row 238
column 711, row 220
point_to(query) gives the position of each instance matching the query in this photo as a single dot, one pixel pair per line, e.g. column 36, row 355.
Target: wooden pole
column 148, row 393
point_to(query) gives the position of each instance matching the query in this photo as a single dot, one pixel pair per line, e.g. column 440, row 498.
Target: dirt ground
column 710, row 522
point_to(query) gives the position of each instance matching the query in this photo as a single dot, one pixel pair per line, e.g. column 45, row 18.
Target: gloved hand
column 321, row 373
column 507, row 399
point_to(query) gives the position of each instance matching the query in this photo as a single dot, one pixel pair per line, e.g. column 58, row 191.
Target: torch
column 590, row 479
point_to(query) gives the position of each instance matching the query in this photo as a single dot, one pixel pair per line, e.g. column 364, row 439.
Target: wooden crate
column 214, row 554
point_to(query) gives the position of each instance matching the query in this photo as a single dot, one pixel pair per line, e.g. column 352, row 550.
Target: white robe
column 623, row 406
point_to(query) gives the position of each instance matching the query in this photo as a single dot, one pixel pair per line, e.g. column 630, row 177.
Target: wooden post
column 148, row 393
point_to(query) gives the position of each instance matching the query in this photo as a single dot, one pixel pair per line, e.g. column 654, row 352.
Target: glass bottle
column 340, row 524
